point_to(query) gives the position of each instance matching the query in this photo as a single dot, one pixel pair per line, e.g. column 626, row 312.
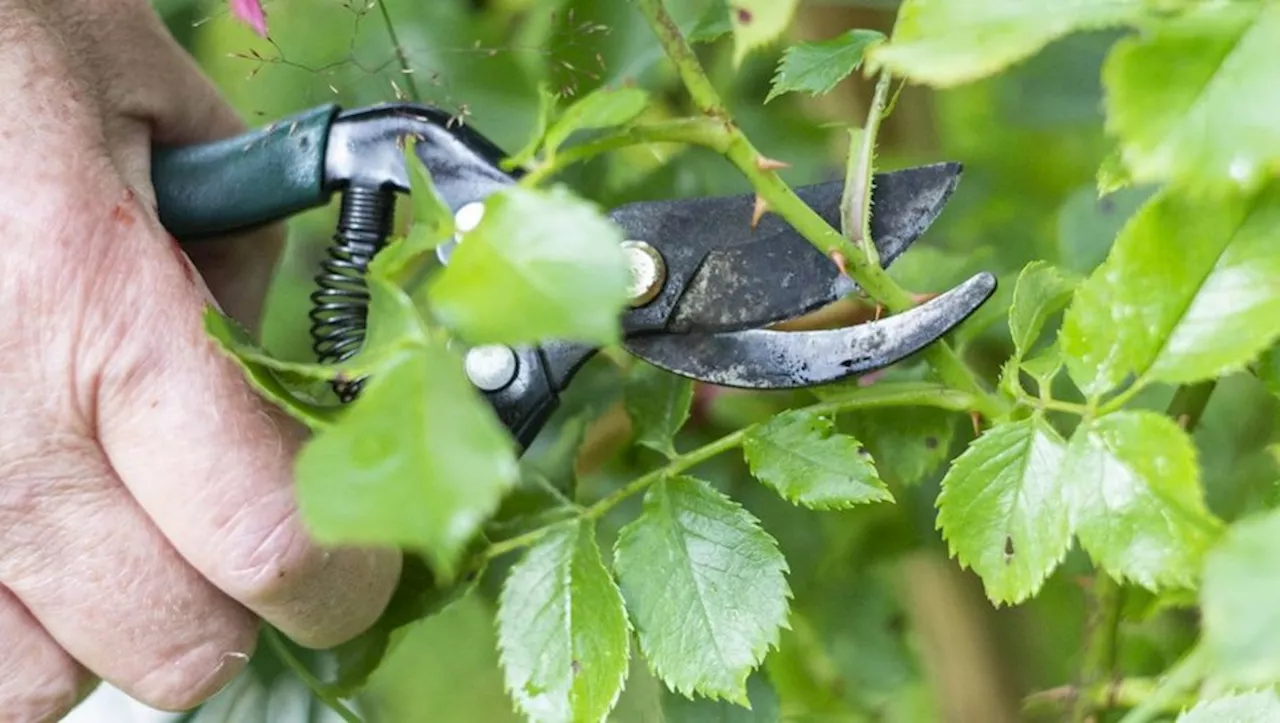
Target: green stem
column 318, row 689
column 1173, row 688
column 1123, row 693
column 855, row 205
column 1100, row 648
column 697, row 130
column 880, row 395
column 784, row 202
column 405, row 69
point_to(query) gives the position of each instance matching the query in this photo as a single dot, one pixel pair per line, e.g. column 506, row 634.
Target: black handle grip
column 239, row 183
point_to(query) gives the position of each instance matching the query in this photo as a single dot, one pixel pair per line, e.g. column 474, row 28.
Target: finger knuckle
column 182, row 678
column 40, row 687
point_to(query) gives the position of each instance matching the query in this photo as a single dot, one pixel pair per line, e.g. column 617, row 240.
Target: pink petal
column 251, row 13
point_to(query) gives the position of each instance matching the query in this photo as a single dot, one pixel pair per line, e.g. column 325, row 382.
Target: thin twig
column 401, row 57
column 319, row 689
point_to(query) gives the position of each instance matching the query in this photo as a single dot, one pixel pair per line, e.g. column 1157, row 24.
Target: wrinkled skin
column 147, row 516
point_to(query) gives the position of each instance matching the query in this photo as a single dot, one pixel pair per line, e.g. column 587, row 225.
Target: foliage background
column 884, row 625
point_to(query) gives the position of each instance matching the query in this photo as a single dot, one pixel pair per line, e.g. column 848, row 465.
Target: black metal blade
column 725, row 276
column 764, row 359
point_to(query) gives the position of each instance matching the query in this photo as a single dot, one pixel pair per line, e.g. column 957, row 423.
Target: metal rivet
column 468, row 217
column 492, row 367
column 648, row 271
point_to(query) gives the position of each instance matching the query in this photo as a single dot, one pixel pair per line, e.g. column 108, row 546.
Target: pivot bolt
column 648, row 271
column 491, row 367
column 468, row 217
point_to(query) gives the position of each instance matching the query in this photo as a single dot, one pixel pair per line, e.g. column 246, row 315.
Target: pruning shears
column 706, row 284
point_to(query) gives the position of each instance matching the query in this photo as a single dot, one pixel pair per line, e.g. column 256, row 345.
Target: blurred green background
column 885, row 627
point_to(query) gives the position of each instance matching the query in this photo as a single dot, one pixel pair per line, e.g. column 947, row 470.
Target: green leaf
column 1268, row 369
column 658, row 404
column 288, row 389
column 757, row 23
column 765, row 706
column 1133, row 487
column 1001, row 508
column 540, row 265
column 705, row 585
column 1215, row 126
column 1042, row 291
column 1240, row 602
column 432, row 220
column 546, row 111
column 1088, row 225
column 713, row 24
column 907, row 443
column 604, row 108
column 1256, row 707
column 563, row 633
column 419, row 460
column 417, row 596
column 950, row 42
column 799, row 456
column 1190, row 291
column 817, row 67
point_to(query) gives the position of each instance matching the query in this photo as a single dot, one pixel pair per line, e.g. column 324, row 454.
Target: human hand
column 147, row 516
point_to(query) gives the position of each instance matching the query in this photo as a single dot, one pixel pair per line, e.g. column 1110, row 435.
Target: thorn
column 1183, row 420
column 765, row 163
column 922, row 298
column 879, row 311
column 976, row 418
column 758, row 211
column 841, row 262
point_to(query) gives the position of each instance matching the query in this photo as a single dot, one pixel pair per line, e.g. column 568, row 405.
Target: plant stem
column 1100, row 648
column 782, row 200
column 318, row 689
column 855, row 205
column 1172, row 688
column 405, row 69
column 698, row 130
column 1123, row 693
column 881, row 395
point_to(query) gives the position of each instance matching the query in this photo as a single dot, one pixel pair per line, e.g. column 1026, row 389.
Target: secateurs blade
column 706, row 282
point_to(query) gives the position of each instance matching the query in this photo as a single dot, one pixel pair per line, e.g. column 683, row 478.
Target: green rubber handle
column 239, row 183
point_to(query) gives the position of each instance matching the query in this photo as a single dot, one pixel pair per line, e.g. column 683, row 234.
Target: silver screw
column 491, row 367
column 648, row 271
column 468, row 217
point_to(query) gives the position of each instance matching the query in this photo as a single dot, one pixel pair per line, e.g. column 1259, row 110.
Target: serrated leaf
column 705, row 585
column 757, row 23
column 798, row 454
column 1240, row 602
column 1133, row 486
column 907, row 443
column 418, row 595
column 1001, row 508
column 540, row 265
column 949, row 42
column 603, row 108
column 658, row 404
column 1256, row 707
column 817, row 67
column 419, row 460
column 1042, row 291
column 563, row 634
column 285, row 388
column 765, row 706
column 1190, row 291
column 1214, row 127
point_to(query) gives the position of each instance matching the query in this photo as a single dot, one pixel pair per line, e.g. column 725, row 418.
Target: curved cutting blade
column 764, row 359
column 752, row 277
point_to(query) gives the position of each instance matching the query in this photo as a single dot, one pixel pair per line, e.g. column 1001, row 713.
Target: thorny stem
column 1123, row 693
column 319, row 689
column 880, row 395
column 1100, row 648
column 855, row 205
column 405, row 69
column 782, row 200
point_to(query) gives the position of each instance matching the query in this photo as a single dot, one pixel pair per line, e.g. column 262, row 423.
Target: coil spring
column 340, row 306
